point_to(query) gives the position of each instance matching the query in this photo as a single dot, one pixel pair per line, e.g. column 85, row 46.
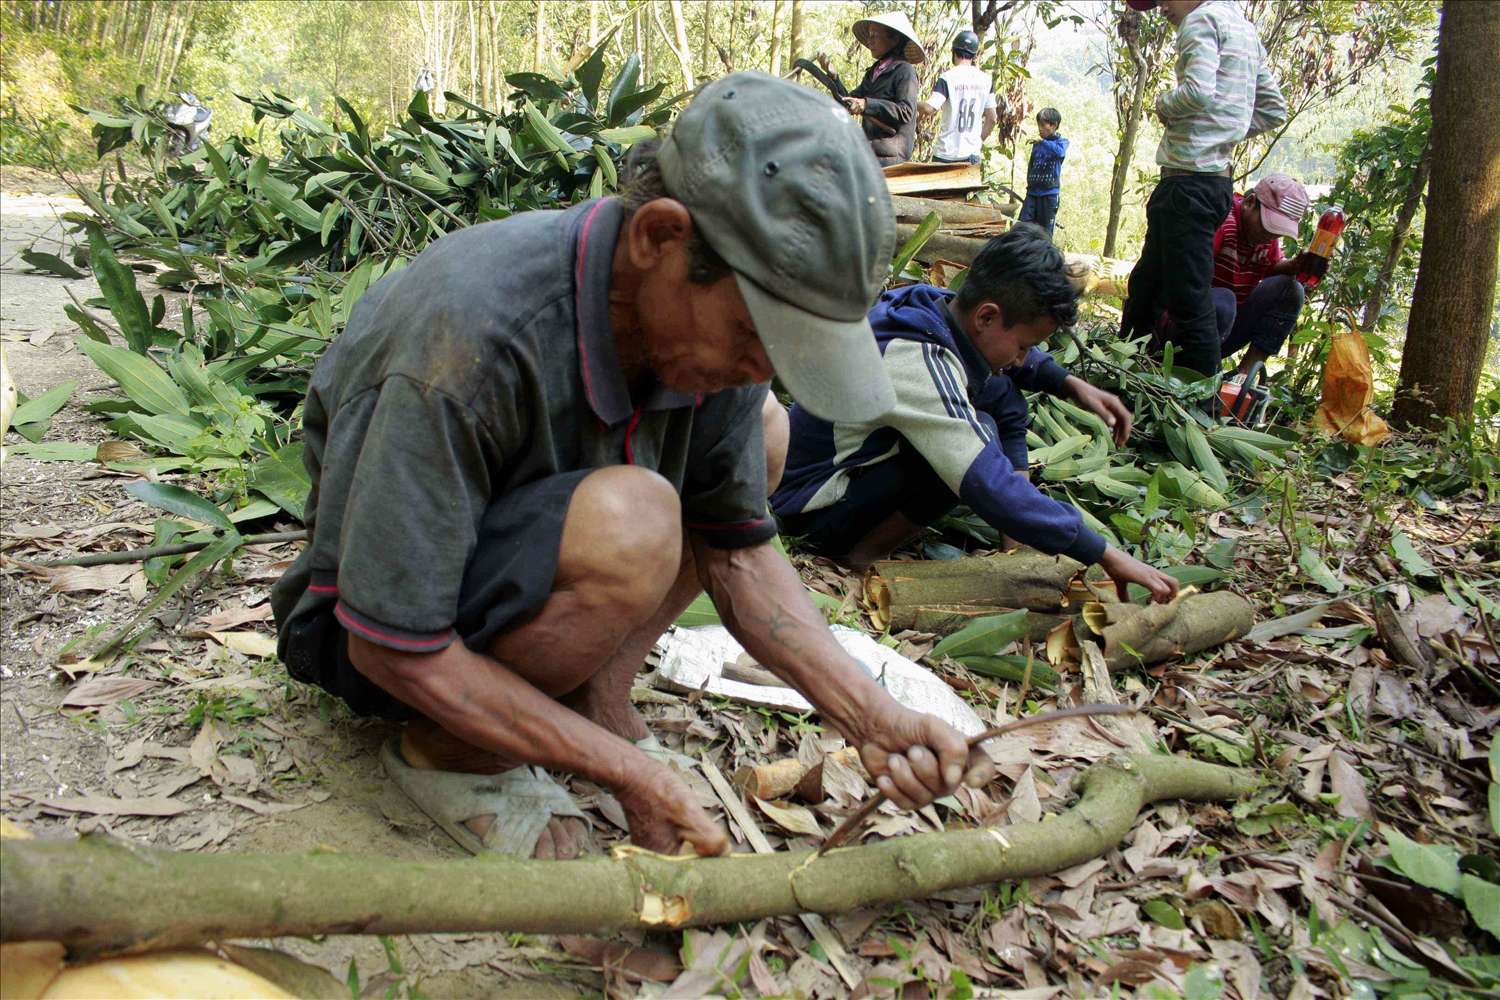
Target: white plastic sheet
column 691, row 656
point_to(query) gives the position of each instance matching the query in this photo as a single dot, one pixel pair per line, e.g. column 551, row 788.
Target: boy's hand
column 1124, row 569
column 822, row 60
column 1115, row 413
column 856, row 105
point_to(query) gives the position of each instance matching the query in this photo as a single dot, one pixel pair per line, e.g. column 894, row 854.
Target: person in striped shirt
column 958, row 362
column 1224, row 94
column 1257, row 296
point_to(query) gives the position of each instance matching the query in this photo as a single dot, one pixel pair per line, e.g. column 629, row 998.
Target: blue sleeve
column 1057, row 146
column 1039, row 373
column 1015, row 506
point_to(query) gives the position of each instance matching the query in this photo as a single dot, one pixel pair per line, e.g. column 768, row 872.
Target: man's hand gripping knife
column 913, row 757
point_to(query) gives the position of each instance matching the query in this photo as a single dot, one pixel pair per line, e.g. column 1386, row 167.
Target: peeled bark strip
column 778, row 778
column 100, row 893
column 1136, row 634
column 896, row 589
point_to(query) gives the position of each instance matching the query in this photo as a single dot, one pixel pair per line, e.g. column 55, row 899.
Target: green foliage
column 276, row 252
column 985, row 636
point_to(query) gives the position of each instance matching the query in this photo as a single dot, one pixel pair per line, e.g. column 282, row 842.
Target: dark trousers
column 1176, row 269
column 1266, row 317
column 1040, row 209
column 905, row 482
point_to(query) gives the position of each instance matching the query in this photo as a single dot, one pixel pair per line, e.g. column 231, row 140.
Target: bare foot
column 426, row 746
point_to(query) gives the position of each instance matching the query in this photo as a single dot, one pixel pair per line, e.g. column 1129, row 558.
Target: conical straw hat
column 898, row 22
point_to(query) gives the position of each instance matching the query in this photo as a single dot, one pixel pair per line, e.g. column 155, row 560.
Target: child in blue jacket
column 1044, row 174
column 959, row 364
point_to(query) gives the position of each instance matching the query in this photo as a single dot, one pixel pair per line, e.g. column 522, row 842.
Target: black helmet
column 966, row 44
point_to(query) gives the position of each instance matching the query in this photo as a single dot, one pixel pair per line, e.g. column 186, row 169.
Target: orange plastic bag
column 1348, row 387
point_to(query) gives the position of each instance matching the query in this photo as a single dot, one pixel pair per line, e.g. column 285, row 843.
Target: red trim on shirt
column 316, row 589
column 635, row 420
column 418, row 646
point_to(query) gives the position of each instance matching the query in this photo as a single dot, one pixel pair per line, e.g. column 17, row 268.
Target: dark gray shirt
column 487, row 364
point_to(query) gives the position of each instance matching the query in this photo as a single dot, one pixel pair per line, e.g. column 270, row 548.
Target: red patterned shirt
column 1241, row 266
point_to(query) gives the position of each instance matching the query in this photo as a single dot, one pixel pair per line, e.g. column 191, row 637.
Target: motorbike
column 189, row 119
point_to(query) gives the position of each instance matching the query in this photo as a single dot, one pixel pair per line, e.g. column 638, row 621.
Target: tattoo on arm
column 781, row 628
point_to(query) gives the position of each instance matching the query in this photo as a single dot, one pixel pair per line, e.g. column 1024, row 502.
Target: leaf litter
column 1361, row 865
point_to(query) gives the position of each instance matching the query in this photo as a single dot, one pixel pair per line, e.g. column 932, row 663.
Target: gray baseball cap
column 781, row 183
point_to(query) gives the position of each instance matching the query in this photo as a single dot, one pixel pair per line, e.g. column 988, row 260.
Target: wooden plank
column 910, row 178
column 816, row 925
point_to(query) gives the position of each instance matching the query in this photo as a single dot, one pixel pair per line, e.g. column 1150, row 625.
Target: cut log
column 960, row 249
column 1091, row 275
column 914, row 210
column 105, row 894
column 1134, row 634
column 896, row 589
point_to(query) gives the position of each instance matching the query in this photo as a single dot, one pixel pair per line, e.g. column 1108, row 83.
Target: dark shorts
column 1040, row 209
column 506, row 584
column 904, row 482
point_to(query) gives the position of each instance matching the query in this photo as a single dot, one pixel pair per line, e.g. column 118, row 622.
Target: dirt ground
column 195, row 740
column 296, row 775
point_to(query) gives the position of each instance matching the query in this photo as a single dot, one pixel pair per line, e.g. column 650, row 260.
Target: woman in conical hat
column 887, row 97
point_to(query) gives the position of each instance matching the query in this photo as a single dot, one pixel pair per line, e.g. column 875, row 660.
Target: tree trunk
column 541, row 33
column 776, row 38
column 593, row 22
column 103, row 894
column 146, row 32
column 473, row 56
column 708, row 24
column 681, row 49
column 1399, row 234
column 1131, row 127
column 1453, row 304
column 797, row 22
column 164, row 44
column 183, row 34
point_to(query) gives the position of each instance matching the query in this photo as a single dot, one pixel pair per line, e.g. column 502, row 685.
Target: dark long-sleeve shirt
column 890, row 104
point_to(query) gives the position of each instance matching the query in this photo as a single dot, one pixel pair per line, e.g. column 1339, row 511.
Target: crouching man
column 532, row 448
column 958, row 363
column 1257, row 297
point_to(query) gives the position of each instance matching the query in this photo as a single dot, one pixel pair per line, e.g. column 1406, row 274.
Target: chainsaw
column 1243, row 400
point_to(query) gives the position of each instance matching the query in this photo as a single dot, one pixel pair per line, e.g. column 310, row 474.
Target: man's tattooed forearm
column 781, row 628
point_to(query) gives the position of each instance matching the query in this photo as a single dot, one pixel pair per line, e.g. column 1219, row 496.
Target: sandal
column 522, row 800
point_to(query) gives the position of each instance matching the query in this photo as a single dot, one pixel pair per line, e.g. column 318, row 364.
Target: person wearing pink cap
column 1256, row 294
column 1224, row 93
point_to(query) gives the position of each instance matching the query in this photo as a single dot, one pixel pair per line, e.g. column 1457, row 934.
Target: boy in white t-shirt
column 964, row 97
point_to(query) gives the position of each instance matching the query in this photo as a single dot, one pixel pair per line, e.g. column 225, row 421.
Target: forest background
column 1353, row 72
column 370, row 52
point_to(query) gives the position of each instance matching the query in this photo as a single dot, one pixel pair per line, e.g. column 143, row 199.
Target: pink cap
column 1283, row 203
column 1141, row 5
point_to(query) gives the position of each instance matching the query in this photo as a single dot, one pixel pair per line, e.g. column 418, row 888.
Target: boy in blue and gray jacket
column 958, row 364
column 1044, row 174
